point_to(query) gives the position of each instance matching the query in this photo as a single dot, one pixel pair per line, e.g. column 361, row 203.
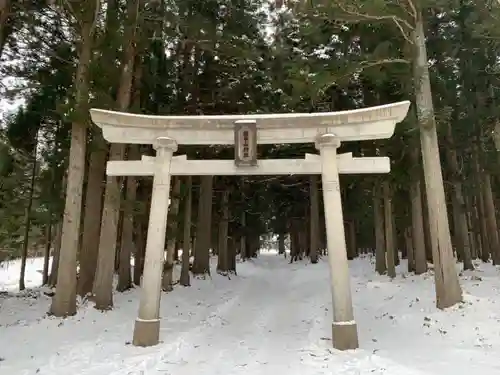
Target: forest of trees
column 162, row 57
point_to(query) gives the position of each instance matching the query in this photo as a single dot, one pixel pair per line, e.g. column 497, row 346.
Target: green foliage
column 15, row 172
column 220, row 57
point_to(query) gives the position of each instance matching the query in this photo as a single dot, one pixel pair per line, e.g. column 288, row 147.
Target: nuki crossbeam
column 180, row 166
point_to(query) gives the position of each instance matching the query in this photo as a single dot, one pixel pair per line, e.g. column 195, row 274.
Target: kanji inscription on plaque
column 245, row 143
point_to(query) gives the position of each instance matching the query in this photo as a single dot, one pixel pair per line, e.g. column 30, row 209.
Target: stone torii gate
column 326, row 129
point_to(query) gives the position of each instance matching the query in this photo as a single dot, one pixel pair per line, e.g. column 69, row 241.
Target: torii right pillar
column 344, row 329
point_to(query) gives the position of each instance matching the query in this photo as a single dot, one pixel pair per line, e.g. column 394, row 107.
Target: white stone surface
column 335, row 234
column 149, row 307
column 270, row 167
column 360, row 124
column 152, row 158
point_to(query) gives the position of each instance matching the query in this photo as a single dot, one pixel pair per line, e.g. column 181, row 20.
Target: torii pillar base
column 146, row 332
column 345, row 336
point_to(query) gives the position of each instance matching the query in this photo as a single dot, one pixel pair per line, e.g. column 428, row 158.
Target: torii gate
column 326, row 129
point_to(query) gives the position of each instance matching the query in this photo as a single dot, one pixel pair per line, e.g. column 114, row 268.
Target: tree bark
column 48, row 244
column 389, row 230
column 314, row 220
column 458, row 202
column 418, row 234
column 127, row 243
column 448, row 290
column 223, row 258
column 231, row 255
column 491, row 221
column 352, row 251
column 186, row 239
column 106, row 258
column 140, row 248
column 92, row 217
column 378, row 214
column 243, row 238
column 201, row 264
column 409, row 249
column 483, row 225
column 5, row 20
column 480, row 207
column 27, row 222
column 473, row 224
column 64, row 301
column 103, row 282
column 55, row 258
column 281, row 243
column 112, row 197
column 168, row 266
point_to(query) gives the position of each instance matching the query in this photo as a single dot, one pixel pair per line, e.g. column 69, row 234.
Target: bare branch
column 70, row 9
column 364, row 17
column 403, row 33
column 96, row 16
column 414, row 12
column 365, row 65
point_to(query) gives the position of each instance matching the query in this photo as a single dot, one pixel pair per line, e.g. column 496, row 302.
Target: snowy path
column 264, row 329
column 274, row 317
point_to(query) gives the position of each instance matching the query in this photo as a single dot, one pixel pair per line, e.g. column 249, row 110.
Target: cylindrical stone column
column 344, row 330
column 147, row 324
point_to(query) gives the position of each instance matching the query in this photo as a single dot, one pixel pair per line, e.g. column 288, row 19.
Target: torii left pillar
column 147, row 324
column 344, row 329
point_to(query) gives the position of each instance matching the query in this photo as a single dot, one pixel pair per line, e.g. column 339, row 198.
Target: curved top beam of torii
column 354, row 125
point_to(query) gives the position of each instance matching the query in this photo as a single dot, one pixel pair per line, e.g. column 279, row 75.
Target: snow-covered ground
column 273, row 318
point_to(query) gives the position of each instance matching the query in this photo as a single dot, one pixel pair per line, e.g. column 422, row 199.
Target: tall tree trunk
column 140, row 248
column 178, row 244
column 243, row 238
column 168, row 266
column 473, row 224
column 57, row 243
column 27, row 221
column 394, row 232
column 231, row 255
column 119, row 227
column 127, row 243
column 92, row 217
column 223, row 258
column 64, row 301
column 409, row 249
column 281, row 243
column 417, row 226
column 389, row 230
column 48, row 244
column 186, row 238
column 201, row 264
column 253, row 243
column 458, row 202
column 314, row 221
column 139, row 221
column 483, row 225
column 49, row 234
column 480, row 207
column 378, row 214
column 5, row 21
column 426, row 222
column 352, row 251
column 55, row 258
column 491, row 221
column 103, row 282
column 448, row 290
